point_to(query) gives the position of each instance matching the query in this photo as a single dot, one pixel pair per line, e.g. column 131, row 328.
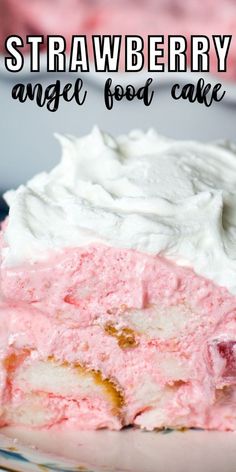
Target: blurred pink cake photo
column 118, row 287
column 123, row 17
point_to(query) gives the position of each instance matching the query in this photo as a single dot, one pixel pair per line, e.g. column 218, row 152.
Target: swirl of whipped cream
column 141, row 191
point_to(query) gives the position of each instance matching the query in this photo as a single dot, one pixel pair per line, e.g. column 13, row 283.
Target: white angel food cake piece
column 118, row 280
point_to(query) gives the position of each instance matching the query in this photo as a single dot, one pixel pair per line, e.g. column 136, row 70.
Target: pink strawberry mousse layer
column 103, row 337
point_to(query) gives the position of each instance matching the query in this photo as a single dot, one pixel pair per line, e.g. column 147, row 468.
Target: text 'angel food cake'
column 118, row 281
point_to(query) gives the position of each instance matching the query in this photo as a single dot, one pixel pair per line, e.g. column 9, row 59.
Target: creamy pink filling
column 103, row 337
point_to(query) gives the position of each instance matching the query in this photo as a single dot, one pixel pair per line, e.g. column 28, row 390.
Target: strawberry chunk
column 222, row 356
column 227, row 351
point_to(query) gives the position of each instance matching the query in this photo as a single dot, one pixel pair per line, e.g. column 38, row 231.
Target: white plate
column 126, row 451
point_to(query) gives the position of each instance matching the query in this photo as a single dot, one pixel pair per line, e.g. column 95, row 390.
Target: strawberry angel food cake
column 118, row 287
column 123, row 17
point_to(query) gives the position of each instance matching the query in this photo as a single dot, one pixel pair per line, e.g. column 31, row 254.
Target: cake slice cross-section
column 118, row 288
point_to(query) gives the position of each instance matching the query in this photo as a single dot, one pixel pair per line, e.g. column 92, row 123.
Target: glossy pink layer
column 102, row 337
column 153, row 17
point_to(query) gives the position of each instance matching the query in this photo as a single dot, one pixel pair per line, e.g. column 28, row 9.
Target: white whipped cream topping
column 140, row 191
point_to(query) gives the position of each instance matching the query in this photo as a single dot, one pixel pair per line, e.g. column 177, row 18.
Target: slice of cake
column 118, row 283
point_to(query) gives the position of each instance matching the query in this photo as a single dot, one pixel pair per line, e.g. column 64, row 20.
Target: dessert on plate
column 118, row 287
